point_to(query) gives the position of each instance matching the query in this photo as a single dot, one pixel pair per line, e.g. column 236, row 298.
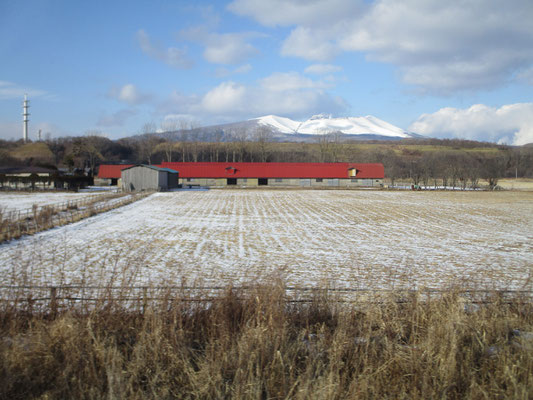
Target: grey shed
column 148, row 177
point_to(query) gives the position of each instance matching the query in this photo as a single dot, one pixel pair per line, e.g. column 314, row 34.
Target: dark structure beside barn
column 41, row 178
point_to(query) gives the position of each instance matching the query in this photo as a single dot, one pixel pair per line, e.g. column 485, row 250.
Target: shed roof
column 27, row 170
column 155, row 167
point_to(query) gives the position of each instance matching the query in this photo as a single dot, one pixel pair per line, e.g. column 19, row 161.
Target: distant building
column 278, row 174
column 148, row 177
column 226, row 174
column 27, row 177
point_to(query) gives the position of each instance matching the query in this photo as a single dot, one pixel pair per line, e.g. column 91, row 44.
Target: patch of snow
column 320, row 124
column 284, row 125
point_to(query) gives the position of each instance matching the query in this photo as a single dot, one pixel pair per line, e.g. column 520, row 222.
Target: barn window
column 353, row 180
column 262, row 181
column 318, row 179
column 279, row 180
column 232, row 181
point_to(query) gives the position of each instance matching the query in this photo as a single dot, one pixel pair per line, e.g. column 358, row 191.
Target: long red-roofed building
column 221, row 174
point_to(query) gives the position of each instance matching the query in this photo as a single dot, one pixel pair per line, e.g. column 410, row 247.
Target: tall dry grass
column 259, row 344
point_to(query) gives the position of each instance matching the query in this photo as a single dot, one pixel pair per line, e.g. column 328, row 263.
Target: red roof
column 108, row 171
column 274, row 170
column 259, row 170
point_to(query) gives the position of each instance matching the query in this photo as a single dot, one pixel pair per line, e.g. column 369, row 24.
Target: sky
column 445, row 69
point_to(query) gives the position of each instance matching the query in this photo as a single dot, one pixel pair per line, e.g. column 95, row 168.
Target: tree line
column 427, row 162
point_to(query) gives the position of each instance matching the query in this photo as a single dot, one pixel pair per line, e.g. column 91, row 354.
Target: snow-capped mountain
column 288, row 130
column 320, row 124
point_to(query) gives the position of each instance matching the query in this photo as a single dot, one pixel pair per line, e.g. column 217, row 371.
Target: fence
column 84, row 201
column 57, row 298
column 17, row 223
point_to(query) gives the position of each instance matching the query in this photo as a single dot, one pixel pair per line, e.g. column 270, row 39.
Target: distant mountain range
column 286, row 129
column 320, row 124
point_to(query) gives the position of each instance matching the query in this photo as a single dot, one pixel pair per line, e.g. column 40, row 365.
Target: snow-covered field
column 356, row 239
column 22, row 201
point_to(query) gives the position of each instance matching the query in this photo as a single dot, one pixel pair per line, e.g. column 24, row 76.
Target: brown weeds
column 260, row 343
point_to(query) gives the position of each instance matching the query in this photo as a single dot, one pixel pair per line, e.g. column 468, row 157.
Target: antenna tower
column 25, row 120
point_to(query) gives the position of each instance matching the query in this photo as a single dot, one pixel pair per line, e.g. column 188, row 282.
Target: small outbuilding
column 149, row 177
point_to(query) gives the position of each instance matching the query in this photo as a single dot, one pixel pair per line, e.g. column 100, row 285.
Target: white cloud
column 322, row 69
column 222, row 48
column 10, row 90
column 229, row 48
column 226, row 97
column 172, row 56
column 309, row 44
column 447, row 46
column 286, row 94
column 512, row 123
column 128, row 94
column 117, row 118
column 438, row 46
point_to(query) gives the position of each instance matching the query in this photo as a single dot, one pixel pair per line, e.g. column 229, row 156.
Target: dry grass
column 260, row 346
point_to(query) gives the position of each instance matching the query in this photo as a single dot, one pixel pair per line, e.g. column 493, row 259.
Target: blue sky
column 442, row 69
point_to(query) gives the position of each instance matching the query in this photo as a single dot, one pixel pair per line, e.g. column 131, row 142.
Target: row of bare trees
column 427, row 163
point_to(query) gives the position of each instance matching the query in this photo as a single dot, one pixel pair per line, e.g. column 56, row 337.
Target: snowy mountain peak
column 323, row 123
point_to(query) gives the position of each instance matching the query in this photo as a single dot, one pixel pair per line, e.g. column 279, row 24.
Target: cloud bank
column 439, row 47
column 509, row 124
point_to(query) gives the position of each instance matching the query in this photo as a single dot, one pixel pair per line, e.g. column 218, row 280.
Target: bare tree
column 169, row 128
column 324, row 143
column 335, row 147
column 85, row 152
column 493, row 170
column 148, row 142
column 214, row 149
column 239, row 136
column 263, row 136
column 194, row 144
